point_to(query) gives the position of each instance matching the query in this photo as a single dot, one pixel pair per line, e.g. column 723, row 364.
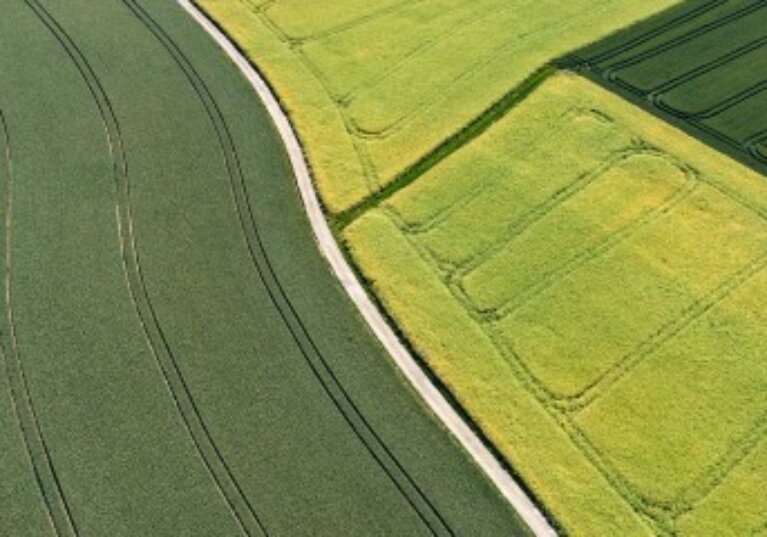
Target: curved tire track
column 57, row 508
column 429, row 393
column 319, row 366
column 203, row 441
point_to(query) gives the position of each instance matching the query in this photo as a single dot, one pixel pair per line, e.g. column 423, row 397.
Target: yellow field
column 374, row 86
column 590, row 283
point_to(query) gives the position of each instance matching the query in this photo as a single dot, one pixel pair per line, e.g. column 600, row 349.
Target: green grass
column 590, row 283
column 297, row 410
column 699, row 66
column 381, row 91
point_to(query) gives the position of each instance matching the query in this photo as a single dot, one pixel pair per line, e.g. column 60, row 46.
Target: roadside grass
column 589, row 283
column 379, row 92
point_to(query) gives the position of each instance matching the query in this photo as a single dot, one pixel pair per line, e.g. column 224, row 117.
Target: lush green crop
column 374, row 87
column 177, row 358
column 701, row 66
column 591, row 285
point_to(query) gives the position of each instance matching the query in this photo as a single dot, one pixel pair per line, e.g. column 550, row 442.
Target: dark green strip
column 466, row 135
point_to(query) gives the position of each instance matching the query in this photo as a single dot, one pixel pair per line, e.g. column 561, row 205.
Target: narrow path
column 332, row 253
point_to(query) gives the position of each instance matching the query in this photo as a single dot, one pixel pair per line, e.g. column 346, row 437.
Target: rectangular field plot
column 373, row 87
column 691, row 405
column 613, row 270
column 701, row 65
column 612, row 307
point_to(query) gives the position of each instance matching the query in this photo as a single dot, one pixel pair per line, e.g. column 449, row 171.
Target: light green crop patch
column 618, row 268
column 374, row 87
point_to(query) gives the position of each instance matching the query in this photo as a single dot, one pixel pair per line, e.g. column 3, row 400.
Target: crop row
column 692, row 42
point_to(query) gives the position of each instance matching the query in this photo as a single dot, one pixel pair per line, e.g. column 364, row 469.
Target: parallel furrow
column 687, row 37
column 708, row 67
column 718, row 108
column 660, row 30
column 664, row 334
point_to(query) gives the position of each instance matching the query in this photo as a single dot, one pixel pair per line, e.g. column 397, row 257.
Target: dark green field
column 701, row 65
column 177, row 359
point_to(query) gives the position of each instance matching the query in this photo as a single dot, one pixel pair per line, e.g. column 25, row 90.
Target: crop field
column 176, row 357
column 375, row 88
column 591, row 284
column 701, row 66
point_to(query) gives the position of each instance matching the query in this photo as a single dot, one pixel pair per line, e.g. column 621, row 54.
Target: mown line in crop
column 658, row 513
column 360, row 149
column 438, row 382
column 46, row 477
column 755, row 145
column 473, row 19
column 409, row 116
column 362, row 20
column 644, row 505
column 548, row 400
column 175, row 382
column 318, row 364
column 466, row 135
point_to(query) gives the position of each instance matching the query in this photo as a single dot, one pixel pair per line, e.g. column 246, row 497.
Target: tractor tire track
column 716, row 109
column 611, row 70
column 201, row 437
column 52, row 494
column 279, row 298
column 695, row 122
column 538, row 212
column 658, row 92
column 588, row 255
column 649, row 36
column 664, row 334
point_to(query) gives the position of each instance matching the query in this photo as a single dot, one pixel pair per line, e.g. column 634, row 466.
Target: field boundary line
column 330, row 249
column 52, row 494
column 468, row 133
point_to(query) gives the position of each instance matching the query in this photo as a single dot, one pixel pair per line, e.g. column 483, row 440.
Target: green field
column 700, row 66
column 590, row 283
column 176, row 357
column 374, row 87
